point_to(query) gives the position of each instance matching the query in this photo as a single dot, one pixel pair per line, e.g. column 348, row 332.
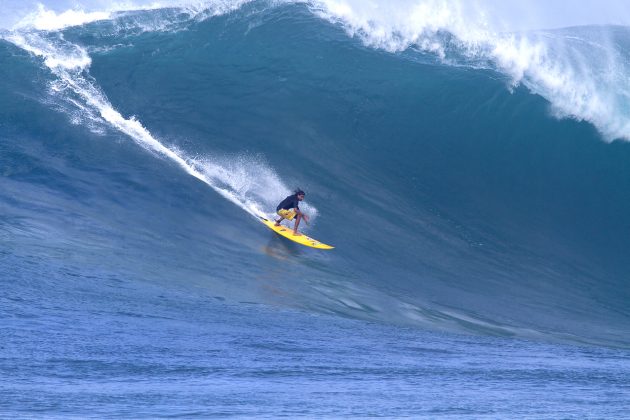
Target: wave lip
column 45, row 18
column 581, row 72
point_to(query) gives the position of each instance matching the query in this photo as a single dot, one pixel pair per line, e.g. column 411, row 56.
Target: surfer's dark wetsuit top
column 291, row 202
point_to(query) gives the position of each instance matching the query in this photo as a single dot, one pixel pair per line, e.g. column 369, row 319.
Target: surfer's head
column 299, row 194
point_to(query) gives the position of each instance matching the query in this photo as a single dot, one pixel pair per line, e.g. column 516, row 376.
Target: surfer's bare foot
column 277, row 224
column 297, row 234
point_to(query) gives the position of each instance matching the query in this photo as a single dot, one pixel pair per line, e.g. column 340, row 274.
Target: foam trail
column 69, row 62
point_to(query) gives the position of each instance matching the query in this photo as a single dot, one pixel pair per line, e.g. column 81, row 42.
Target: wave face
column 459, row 171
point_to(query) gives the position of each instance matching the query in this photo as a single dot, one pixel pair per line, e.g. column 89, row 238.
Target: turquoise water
column 479, row 219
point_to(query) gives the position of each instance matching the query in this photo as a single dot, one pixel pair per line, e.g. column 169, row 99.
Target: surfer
column 289, row 209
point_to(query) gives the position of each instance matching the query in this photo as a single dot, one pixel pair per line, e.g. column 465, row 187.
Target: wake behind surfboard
column 288, row 233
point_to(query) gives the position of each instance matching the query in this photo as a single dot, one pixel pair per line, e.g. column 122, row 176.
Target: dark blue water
column 480, row 265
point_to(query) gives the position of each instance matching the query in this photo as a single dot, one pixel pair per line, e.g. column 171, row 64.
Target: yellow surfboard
column 300, row 239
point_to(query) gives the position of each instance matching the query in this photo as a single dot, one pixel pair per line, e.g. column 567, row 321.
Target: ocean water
column 471, row 171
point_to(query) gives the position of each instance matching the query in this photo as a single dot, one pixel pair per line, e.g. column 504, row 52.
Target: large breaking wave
column 456, row 201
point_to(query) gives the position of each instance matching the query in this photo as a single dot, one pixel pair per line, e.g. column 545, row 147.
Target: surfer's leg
column 280, row 219
column 297, row 223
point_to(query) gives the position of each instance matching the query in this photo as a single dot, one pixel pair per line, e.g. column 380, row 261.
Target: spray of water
column 245, row 181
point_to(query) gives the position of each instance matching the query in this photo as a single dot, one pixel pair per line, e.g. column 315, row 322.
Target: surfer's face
column 300, row 197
